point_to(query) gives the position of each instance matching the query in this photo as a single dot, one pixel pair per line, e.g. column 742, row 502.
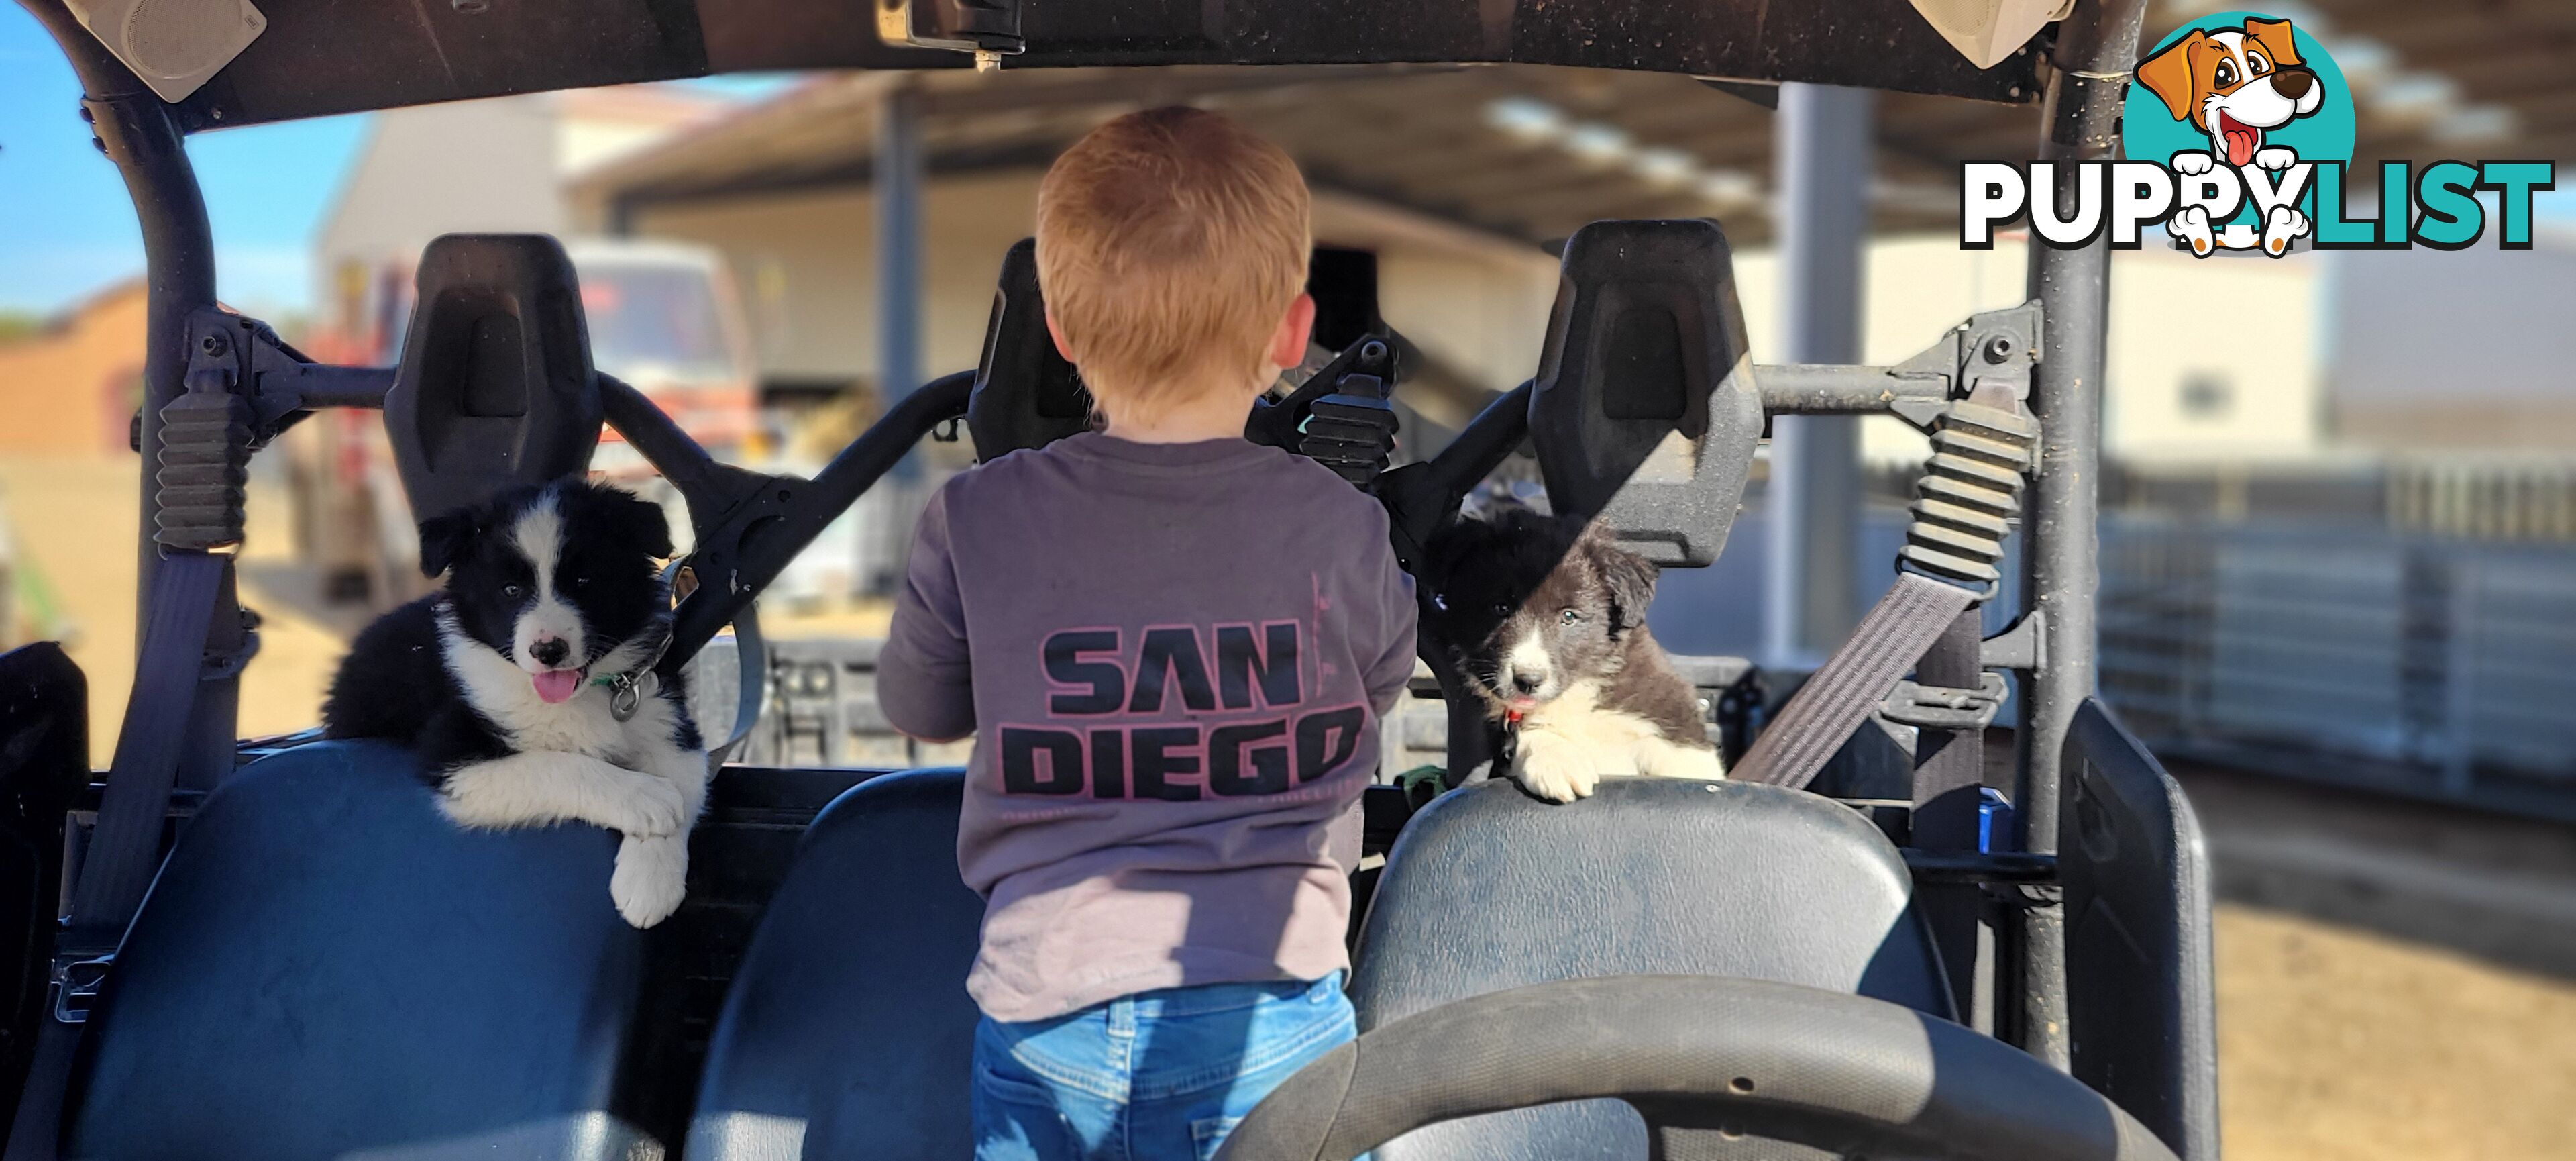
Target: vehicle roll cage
column 749, row 524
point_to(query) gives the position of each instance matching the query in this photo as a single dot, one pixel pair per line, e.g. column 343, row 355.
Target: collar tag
column 626, row 690
column 626, row 694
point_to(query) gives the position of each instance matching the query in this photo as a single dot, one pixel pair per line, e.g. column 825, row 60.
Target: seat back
column 327, row 967
column 1490, row 889
column 495, row 388
column 848, row 1031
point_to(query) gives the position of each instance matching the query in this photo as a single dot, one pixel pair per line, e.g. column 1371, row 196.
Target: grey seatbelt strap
column 1854, row 681
column 751, row 682
column 1949, row 774
column 125, row 845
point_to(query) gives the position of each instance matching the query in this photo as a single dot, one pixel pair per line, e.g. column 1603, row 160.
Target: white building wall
column 2209, row 358
column 2245, row 331
column 807, row 263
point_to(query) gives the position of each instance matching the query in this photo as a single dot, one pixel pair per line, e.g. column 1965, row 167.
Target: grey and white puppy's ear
column 445, row 538
column 1630, row 577
column 640, row 522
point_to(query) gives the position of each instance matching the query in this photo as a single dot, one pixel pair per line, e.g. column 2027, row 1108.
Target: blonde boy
column 1172, row 647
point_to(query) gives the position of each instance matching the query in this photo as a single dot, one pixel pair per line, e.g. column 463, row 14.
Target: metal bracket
column 2027, row 896
column 1366, row 369
column 283, row 385
column 74, row 983
column 1944, row 707
column 1993, row 352
column 2023, row 646
column 220, row 664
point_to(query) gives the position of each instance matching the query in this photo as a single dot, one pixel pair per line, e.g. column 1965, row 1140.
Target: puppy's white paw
column 652, row 877
column 2191, row 224
column 2193, row 164
column 651, row 807
column 2274, row 157
column 1661, row 759
column 2281, row 225
column 463, row 809
column 1554, row 769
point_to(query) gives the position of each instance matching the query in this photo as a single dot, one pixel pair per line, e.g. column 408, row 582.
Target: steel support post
column 897, row 187
column 1822, row 145
column 2096, row 49
column 145, row 140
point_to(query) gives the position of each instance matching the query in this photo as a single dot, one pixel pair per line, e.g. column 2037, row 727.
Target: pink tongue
column 556, row 685
column 2240, row 146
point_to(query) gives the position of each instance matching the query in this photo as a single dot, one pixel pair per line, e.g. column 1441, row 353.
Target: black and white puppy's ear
column 445, row 538
column 1630, row 578
column 639, row 522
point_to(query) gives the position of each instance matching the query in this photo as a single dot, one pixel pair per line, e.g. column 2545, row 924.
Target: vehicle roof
column 320, row 57
column 1518, row 154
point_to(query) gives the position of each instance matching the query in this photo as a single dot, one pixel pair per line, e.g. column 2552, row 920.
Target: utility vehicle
column 278, row 948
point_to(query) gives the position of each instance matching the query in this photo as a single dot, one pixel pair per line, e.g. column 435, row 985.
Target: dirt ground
column 2339, row 1041
column 2341, row 1045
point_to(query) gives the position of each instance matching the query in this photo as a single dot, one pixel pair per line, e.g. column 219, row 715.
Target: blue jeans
column 1157, row 1076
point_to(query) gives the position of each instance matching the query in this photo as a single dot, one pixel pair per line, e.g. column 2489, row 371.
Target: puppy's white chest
column 583, row 725
column 1573, row 742
column 1578, row 718
column 576, row 727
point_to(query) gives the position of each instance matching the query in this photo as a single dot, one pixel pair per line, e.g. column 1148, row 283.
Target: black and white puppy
column 526, row 683
column 1547, row 620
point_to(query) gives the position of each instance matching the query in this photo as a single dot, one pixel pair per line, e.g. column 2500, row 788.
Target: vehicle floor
column 2352, row 1024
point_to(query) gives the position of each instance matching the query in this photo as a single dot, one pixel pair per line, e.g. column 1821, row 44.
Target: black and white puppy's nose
column 1526, row 682
column 549, row 650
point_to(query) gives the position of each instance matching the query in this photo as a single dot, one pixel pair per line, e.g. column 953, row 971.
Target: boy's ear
column 1056, row 333
column 445, row 538
column 1296, row 329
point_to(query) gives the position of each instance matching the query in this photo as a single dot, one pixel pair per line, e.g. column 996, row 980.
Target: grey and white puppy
column 1547, row 620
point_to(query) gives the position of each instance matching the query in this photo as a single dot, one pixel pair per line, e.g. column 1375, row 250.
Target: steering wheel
column 1704, row 1060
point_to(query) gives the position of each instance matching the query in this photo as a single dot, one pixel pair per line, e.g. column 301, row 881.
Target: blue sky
column 70, row 230
column 66, row 228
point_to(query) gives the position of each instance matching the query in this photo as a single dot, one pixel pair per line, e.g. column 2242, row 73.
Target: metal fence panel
column 2358, row 655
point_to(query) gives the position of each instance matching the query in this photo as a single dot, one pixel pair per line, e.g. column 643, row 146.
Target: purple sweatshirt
column 1173, row 658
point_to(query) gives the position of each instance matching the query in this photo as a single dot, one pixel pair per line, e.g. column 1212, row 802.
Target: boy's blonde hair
column 1170, row 244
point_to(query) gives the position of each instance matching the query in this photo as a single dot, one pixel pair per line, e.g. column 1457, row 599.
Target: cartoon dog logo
column 2235, row 84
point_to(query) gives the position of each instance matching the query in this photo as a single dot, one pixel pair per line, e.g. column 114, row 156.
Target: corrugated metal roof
column 1530, row 152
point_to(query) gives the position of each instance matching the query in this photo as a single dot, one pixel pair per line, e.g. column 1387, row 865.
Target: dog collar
column 1512, row 717
column 626, row 690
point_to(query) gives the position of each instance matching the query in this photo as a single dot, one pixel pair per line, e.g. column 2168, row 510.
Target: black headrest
column 1645, row 411
column 1025, row 395
column 495, row 388
column 1344, row 283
